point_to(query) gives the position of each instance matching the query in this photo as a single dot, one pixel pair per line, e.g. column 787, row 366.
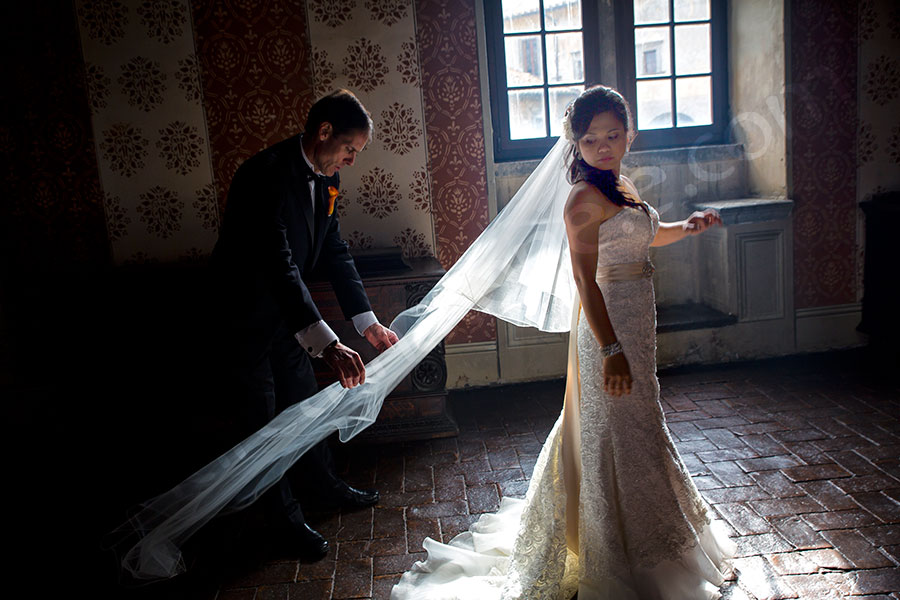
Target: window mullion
column 672, row 81
column 546, row 85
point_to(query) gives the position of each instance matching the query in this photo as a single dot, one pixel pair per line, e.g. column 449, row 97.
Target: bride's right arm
column 585, row 211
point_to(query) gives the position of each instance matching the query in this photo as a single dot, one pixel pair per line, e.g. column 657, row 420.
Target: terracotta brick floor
column 800, row 456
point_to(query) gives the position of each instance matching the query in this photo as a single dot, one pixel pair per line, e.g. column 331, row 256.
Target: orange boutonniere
column 332, row 196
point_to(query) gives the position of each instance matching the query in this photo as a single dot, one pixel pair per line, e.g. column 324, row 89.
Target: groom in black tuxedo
column 279, row 227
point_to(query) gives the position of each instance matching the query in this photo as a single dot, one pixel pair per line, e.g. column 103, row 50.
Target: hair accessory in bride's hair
column 568, row 133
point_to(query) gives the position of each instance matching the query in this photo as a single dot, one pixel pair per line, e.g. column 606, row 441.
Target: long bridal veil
column 517, row 270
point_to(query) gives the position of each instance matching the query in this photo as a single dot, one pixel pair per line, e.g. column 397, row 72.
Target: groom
column 279, row 227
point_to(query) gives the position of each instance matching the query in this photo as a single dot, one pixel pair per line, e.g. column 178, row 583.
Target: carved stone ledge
column 749, row 210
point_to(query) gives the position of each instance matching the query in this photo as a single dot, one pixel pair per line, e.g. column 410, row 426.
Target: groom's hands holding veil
column 380, row 337
column 347, row 363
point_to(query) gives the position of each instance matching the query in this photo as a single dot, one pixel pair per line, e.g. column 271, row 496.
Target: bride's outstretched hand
column 699, row 222
column 616, row 375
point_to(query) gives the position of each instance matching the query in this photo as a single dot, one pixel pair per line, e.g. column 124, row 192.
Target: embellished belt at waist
column 625, row 271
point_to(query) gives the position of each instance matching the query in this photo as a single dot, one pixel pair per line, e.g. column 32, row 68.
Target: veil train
column 517, row 270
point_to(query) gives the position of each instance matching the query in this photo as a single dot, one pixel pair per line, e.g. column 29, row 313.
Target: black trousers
column 270, row 377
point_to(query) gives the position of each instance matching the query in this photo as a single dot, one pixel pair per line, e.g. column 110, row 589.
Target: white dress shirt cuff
column 316, row 338
column 363, row 321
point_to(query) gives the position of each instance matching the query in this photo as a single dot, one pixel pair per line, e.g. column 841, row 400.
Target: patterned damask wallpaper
column 149, row 129
column 878, row 151
column 445, row 33
column 256, row 78
column 879, row 97
column 368, row 46
column 823, row 143
column 51, row 216
column 263, row 67
column 845, row 95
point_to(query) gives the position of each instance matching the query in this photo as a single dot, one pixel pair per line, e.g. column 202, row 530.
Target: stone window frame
column 611, row 62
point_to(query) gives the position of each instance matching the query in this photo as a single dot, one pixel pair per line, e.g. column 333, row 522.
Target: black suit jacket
column 270, row 243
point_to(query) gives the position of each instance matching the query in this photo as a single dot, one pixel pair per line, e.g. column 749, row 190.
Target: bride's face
column 604, row 144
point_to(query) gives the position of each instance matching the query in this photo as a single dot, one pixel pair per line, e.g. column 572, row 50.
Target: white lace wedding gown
column 611, row 512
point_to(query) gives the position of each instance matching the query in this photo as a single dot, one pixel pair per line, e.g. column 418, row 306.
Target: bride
column 611, row 512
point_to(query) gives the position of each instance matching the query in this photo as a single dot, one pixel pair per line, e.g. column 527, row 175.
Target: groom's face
column 335, row 152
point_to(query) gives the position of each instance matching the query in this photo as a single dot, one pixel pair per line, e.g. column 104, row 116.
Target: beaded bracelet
column 611, row 349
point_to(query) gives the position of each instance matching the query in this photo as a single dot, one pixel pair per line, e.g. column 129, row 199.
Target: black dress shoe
column 350, row 497
column 309, row 542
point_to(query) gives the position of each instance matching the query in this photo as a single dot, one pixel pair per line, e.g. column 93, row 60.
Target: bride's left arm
column 669, row 233
column 698, row 222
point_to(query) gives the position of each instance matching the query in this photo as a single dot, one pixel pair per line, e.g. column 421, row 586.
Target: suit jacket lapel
column 321, row 217
column 301, row 181
column 308, row 210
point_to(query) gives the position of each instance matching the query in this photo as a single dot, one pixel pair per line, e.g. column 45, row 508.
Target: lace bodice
column 625, row 237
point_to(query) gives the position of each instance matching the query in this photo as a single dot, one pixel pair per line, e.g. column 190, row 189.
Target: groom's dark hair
column 343, row 110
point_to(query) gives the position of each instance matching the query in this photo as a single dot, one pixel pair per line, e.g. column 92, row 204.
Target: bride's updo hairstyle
column 592, row 102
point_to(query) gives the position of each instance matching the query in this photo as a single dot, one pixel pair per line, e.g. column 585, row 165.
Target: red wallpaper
column 445, row 35
column 53, row 205
column 823, row 105
column 256, row 77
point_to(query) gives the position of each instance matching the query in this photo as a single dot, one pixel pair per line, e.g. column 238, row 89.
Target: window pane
column 692, row 49
column 691, row 10
column 654, row 104
column 524, row 61
column 526, row 114
column 560, row 98
column 565, row 62
column 651, row 11
column 651, row 51
column 693, row 96
column 565, row 14
column 521, row 15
